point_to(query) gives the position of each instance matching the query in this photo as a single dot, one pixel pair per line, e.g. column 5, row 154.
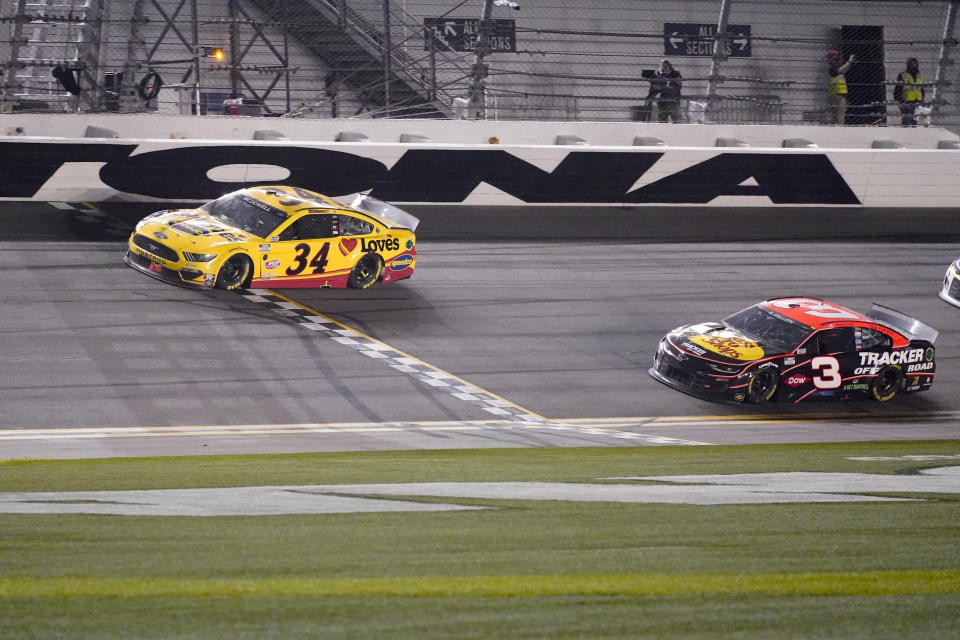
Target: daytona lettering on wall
column 432, row 175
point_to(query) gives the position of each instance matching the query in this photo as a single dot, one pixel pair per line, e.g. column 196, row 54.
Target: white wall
column 149, row 126
column 917, row 175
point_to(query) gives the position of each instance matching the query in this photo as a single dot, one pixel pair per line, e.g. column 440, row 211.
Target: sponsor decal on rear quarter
column 401, row 262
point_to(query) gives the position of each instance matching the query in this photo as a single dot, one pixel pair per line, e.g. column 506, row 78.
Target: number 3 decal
column 827, row 372
column 814, row 308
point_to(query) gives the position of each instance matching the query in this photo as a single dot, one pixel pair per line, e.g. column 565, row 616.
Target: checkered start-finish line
column 392, row 358
column 427, row 374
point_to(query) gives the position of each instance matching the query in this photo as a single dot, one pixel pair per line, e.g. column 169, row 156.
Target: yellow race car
column 276, row 236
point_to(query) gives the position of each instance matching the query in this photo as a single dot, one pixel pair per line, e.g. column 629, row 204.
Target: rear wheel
column 887, row 383
column 234, row 273
column 762, row 385
column 366, row 272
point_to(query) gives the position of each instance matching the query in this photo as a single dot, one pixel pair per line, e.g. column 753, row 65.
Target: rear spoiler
column 390, row 213
column 914, row 329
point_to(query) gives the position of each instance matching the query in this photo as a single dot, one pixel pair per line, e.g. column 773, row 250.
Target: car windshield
column 772, row 329
column 247, row 213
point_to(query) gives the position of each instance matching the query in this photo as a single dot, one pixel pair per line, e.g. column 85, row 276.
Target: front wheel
column 366, row 272
column 234, row 273
column 887, row 384
column 762, row 385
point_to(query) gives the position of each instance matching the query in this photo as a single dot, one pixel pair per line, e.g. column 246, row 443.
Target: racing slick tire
column 887, row 384
column 235, row 273
column 366, row 272
column 763, row 385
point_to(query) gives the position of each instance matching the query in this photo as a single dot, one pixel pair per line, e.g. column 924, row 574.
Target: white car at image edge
column 951, row 284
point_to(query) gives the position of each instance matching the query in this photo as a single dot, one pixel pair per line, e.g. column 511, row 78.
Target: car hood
column 191, row 228
column 718, row 342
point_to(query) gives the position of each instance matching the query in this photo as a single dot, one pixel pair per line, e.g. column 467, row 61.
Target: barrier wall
column 444, row 162
column 154, row 126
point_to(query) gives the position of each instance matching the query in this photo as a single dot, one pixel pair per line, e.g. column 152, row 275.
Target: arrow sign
column 697, row 39
column 461, row 34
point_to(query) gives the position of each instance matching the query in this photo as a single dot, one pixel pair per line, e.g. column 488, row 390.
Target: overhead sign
column 461, row 34
column 691, row 39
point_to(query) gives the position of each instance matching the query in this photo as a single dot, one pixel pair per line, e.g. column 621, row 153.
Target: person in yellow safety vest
column 908, row 92
column 838, row 85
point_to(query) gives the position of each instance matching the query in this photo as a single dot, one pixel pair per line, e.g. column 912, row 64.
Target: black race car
column 796, row 349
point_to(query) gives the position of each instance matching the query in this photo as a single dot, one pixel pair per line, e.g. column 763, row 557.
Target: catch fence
column 741, row 61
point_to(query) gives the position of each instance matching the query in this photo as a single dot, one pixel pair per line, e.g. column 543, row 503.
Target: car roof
column 290, row 200
column 815, row 313
column 305, row 201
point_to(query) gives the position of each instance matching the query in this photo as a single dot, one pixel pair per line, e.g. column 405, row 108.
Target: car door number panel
column 302, row 260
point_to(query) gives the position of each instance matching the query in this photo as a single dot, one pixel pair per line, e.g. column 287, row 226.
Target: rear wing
column 388, row 212
column 911, row 327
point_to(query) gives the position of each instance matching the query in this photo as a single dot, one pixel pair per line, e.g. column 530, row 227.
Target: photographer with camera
column 665, row 88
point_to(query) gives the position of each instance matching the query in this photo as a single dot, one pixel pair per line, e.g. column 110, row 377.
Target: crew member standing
column 908, row 92
column 665, row 86
column 838, row 85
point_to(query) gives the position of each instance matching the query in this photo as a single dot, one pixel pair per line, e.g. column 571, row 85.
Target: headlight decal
column 199, row 257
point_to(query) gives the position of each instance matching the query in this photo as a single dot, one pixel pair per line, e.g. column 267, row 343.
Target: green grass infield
column 876, row 556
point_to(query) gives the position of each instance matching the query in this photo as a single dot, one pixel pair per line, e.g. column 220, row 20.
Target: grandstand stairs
column 352, row 49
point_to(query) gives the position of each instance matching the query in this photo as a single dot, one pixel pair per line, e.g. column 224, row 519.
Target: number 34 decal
column 826, row 372
column 319, row 262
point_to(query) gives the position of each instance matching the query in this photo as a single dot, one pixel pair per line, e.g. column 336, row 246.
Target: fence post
column 126, row 100
column 432, row 86
column 387, row 46
column 719, row 55
column 944, row 61
column 195, row 20
column 234, row 16
column 92, row 54
column 478, row 74
column 9, row 79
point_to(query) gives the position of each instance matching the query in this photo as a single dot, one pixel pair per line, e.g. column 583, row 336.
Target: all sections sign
column 697, row 39
column 461, row 34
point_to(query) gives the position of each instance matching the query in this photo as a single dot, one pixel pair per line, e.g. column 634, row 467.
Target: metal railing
column 762, row 69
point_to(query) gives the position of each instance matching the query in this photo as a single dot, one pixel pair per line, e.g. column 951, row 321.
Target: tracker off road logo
column 870, row 358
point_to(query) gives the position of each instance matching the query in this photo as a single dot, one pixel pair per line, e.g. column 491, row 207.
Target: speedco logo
column 402, row 262
column 891, row 357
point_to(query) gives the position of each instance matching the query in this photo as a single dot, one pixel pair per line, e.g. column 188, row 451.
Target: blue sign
column 691, row 39
column 461, row 34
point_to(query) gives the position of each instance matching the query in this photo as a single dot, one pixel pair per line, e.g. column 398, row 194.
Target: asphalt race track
column 490, row 344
